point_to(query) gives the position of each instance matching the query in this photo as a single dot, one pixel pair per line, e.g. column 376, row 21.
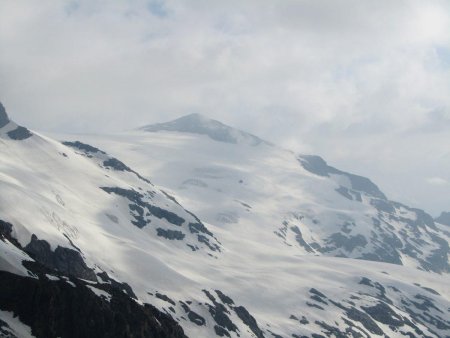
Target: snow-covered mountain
column 195, row 226
column 295, row 202
column 199, row 124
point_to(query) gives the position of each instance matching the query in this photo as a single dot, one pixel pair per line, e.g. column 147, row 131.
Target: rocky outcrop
column 318, row 166
column 4, row 119
column 19, row 134
column 59, row 308
column 64, row 260
column 65, row 299
column 444, row 218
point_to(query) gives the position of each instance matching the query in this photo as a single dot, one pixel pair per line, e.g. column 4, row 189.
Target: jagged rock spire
column 4, row 119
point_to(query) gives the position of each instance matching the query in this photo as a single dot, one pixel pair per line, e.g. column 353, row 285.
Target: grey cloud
column 438, row 120
column 347, row 80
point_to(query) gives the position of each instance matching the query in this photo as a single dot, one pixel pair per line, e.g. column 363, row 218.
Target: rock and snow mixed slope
column 237, row 238
column 266, row 194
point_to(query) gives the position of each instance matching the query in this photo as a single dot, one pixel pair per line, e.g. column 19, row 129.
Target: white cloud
column 356, row 81
column 438, row 181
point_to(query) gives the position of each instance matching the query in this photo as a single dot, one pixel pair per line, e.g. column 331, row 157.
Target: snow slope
column 219, row 235
column 296, row 203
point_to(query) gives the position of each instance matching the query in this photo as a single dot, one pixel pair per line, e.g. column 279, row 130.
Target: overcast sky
column 365, row 84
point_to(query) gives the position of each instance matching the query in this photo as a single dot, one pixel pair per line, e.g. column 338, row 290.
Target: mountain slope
column 79, row 223
column 201, row 125
column 298, row 203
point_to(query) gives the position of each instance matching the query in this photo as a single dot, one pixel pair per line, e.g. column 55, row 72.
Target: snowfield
column 227, row 234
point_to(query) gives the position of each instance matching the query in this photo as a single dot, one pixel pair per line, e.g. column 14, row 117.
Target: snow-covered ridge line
column 4, row 119
column 201, row 125
column 310, row 206
column 255, row 255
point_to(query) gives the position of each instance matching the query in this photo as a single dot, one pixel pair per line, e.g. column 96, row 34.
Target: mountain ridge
column 444, row 218
column 199, row 124
column 4, row 119
column 229, row 241
column 218, row 176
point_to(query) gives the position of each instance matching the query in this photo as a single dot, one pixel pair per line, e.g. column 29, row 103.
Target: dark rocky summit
column 18, row 134
column 4, row 119
column 444, row 218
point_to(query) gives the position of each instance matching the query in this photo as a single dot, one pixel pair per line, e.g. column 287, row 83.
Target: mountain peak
column 444, row 218
column 318, row 166
column 13, row 131
column 194, row 120
column 4, row 119
column 199, row 124
column 194, row 116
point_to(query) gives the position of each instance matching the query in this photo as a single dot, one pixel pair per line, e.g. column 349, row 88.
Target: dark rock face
column 140, row 209
column 331, row 331
column 438, row 259
column 383, row 206
column 348, row 243
column 4, row 119
column 64, row 260
column 317, row 296
column 165, row 298
column 116, row 165
column 196, row 318
column 57, row 309
column 224, row 298
column 124, row 287
column 193, row 316
column 444, row 218
column 382, row 313
column 19, row 134
column 384, row 254
column 200, row 229
column 349, row 194
column 315, row 165
column 205, row 240
column 196, row 228
column 388, row 243
column 359, row 316
column 170, row 234
column 249, row 320
column 344, row 192
column 220, row 314
column 140, row 206
column 83, row 147
column 6, row 233
column 220, row 331
column 300, row 240
column 110, row 163
column 71, row 309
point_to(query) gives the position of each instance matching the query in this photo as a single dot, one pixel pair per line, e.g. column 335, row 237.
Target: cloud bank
column 364, row 84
